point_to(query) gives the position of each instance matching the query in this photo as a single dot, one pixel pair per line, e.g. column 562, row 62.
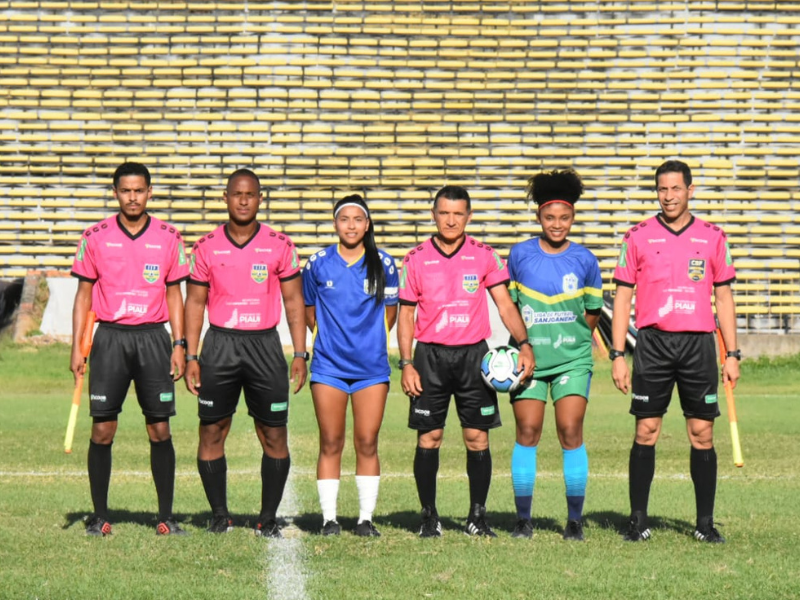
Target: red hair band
column 541, row 206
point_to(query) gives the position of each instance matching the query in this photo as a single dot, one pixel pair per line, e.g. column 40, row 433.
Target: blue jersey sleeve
column 392, row 280
column 310, row 282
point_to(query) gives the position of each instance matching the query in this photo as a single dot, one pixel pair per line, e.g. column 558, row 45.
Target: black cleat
column 220, row 524
column 573, row 531
column 476, row 523
column 366, row 529
column 523, row 529
column 431, row 526
column 97, row 527
column 169, row 527
column 706, row 532
column 268, row 529
column 331, row 528
column 637, row 532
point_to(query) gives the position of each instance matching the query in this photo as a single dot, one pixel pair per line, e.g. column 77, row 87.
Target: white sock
column 367, row 486
column 328, row 490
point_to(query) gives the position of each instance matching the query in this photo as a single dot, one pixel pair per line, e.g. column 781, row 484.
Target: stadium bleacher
column 394, row 99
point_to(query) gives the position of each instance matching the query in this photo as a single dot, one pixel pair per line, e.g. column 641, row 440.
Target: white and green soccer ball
column 499, row 369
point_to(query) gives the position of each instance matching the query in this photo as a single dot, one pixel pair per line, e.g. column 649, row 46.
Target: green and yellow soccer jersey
column 552, row 292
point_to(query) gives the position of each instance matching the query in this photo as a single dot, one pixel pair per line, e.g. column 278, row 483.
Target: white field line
column 285, row 575
column 744, row 476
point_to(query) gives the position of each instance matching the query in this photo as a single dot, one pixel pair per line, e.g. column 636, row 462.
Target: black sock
column 703, row 466
column 641, row 468
column 162, row 465
column 274, row 473
column 426, row 467
column 99, row 461
column 214, row 475
column 479, row 472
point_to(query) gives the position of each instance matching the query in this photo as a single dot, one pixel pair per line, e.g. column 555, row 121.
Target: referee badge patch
column 697, row 269
column 470, row 284
column 151, row 273
column 259, row 273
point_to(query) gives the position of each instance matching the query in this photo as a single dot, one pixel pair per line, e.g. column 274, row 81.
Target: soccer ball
column 499, row 368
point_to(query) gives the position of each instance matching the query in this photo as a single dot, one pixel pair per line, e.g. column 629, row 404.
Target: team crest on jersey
column 569, row 283
column 366, row 286
column 527, row 315
column 697, row 269
column 470, row 284
column 151, row 273
column 81, row 250
column 403, row 277
column 181, row 255
column 259, row 273
column 623, row 255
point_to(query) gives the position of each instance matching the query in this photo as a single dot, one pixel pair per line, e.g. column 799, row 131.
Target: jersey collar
column 672, row 231
column 453, row 253
column 136, row 235
column 250, row 239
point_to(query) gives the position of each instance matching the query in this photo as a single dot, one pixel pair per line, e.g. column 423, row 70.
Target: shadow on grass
column 148, row 519
column 618, row 522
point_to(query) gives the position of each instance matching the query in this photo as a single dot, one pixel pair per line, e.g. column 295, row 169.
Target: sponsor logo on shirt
column 151, row 246
column 564, row 380
column 250, row 318
column 487, row 410
column 541, row 341
column 366, row 286
column 470, row 284
column 458, row 320
column 728, row 257
column 443, row 321
column 259, row 250
column 657, row 241
column 259, row 273
column 569, row 283
column 431, row 262
column 623, row 255
column 711, row 399
column 151, row 273
column 467, row 258
column 423, row 412
column 554, row 316
column 205, row 402
column 97, row 398
column 181, row 254
column 667, row 308
column 137, row 309
column 563, row 339
column 113, row 245
column 221, row 252
column 698, row 241
column 685, row 306
column 403, row 278
column 165, row 397
column 498, row 260
column 191, row 263
column 697, row 269
column 279, row 406
column 295, row 261
column 640, row 398
column 329, row 283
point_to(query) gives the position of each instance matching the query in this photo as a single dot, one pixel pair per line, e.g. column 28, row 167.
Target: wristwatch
column 615, row 354
column 404, row 362
column 181, row 342
column 303, row 355
column 737, row 354
column 191, row 357
column 521, row 343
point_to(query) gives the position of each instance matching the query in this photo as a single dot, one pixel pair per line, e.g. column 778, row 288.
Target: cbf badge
column 697, row 269
column 259, row 273
column 470, row 284
column 151, row 273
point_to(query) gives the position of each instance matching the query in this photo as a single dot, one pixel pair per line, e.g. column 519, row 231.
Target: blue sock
column 576, row 474
column 523, row 475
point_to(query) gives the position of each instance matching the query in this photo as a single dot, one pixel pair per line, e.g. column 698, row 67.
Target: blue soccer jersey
column 553, row 292
column 351, row 337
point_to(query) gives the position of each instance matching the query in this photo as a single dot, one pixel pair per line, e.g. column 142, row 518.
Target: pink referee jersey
column 674, row 272
column 244, row 281
column 449, row 291
column 130, row 272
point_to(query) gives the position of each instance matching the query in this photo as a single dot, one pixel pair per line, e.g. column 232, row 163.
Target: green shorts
column 568, row 383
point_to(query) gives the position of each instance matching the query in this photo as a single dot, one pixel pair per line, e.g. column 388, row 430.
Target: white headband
column 366, row 214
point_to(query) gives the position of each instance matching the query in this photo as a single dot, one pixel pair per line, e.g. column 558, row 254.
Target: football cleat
column 523, row 529
column 366, row 529
column 97, row 527
column 637, row 532
column 573, row 531
column 431, row 526
column 706, row 532
column 331, row 528
column 220, row 524
column 169, row 527
column 476, row 523
column 268, row 529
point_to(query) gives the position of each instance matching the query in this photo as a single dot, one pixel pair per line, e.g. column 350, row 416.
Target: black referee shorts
column 452, row 371
column 664, row 358
column 124, row 353
column 232, row 360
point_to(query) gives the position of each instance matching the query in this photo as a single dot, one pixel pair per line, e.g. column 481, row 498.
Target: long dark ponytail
column 376, row 277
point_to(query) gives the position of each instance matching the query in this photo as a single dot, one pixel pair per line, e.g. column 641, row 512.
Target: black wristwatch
column 191, row 357
column 737, row 354
column 181, row 342
column 615, row 354
column 403, row 363
column 521, row 343
column 303, row 355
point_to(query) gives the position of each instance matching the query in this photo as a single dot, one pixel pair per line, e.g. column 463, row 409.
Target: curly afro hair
column 563, row 185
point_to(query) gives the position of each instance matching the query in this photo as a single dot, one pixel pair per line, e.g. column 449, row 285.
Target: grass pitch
column 44, row 494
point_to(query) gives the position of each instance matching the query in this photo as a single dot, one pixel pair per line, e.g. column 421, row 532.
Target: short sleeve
column 625, row 271
column 593, row 291
column 179, row 265
column 83, row 265
column 289, row 264
column 408, row 285
column 392, row 280
column 513, row 289
column 198, row 267
column 310, row 282
column 496, row 270
column 724, row 271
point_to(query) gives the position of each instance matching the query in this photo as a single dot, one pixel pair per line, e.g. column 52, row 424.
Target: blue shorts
column 348, row 386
